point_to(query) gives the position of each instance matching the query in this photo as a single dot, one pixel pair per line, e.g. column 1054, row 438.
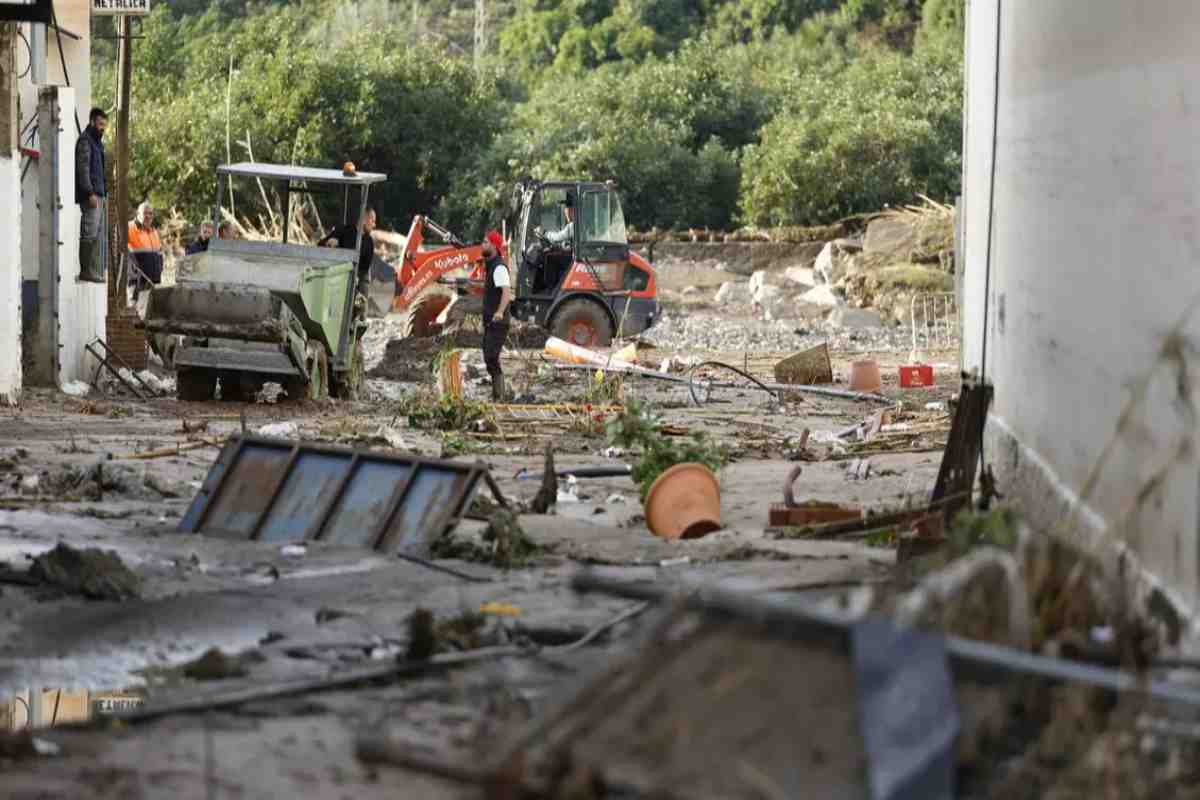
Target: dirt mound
column 93, row 573
column 411, row 360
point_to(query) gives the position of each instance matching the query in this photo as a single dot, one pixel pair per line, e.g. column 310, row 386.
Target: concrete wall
column 10, row 280
column 1092, row 308
column 10, row 223
column 82, row 306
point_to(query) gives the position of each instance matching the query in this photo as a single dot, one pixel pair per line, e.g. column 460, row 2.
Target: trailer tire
column 195, row 384
column 348, row 385
column 582, row 322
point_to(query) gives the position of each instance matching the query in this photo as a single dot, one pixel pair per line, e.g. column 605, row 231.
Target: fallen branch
column 167, row 452
column 237, row 697
column 595, row 633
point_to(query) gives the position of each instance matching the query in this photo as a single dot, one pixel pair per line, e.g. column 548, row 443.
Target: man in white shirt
column 497, row 295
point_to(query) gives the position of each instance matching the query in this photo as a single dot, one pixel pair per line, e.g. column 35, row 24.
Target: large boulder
column 831, row 265
column 855, row 318
column 801, row 276
column 733, row 292
column 889, row 236
column 757, row 281
column 822, row 296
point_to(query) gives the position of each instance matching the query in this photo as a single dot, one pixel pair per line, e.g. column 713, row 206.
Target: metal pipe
column 979, row 661
column 769, row 387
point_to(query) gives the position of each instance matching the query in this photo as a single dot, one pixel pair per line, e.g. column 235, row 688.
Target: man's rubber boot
column 497, row 388
column 91, row 269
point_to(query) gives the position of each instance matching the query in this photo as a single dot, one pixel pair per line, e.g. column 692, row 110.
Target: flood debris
column 637, row 428
column 217, row 665
column 510, row 546
column 270, row 393
column 422, row 640
column 289, row 492
column 93, row 573
column 547, row 494
column 812, row 366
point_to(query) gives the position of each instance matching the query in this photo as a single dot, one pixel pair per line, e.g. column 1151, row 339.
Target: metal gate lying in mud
column 274, row 490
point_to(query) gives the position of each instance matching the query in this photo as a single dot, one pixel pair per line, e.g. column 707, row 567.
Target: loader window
column 601, row 219
column 550, row 215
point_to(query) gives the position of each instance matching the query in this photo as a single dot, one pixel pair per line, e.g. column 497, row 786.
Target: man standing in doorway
column 497, row 294
column 91, row 192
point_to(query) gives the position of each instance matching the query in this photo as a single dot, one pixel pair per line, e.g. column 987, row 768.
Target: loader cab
column 599, row 233
column 594, row 288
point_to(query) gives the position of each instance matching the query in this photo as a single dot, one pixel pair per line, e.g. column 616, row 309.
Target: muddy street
column 176, row 620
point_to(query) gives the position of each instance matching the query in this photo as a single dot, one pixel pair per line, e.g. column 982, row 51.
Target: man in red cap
column 497, row 294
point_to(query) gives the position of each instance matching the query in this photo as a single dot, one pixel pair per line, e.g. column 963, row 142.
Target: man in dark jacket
column 343, row 236
column 91, row 191
column 497, row 294
column 201, row 243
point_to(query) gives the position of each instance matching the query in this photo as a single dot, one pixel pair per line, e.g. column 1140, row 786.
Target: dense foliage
column 707, row 113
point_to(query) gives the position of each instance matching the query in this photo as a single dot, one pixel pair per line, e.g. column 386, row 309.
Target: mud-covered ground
column 115, row 473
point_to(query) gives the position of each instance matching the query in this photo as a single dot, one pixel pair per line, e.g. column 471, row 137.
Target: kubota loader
column 586, row 290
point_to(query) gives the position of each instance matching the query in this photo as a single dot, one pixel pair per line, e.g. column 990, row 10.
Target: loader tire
column 582, row 322
column 420, row 318
column 195, row 384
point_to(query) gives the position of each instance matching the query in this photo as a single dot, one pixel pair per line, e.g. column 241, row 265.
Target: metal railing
column 934, row 318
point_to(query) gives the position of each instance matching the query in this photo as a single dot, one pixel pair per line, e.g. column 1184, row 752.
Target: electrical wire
column 63, row 58
column 28, row 49
column 987, row 270
column 731, row 368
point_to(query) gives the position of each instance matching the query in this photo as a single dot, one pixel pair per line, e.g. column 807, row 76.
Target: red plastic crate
column 915, row 376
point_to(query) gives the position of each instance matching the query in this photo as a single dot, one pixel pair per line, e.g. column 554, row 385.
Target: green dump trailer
column 245, row 313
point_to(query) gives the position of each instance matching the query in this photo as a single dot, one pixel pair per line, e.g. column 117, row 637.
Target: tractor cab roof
column 585, row 186
column 288, row 172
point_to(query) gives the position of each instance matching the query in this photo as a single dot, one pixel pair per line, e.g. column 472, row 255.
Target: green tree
column 888, row 127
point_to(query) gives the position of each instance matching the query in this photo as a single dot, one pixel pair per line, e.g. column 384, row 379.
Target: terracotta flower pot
column 864, row 376
column 684, row 502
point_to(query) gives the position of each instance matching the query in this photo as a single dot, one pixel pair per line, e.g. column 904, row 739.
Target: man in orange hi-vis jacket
column 145, row 248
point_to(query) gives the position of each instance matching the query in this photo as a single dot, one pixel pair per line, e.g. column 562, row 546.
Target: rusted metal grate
column 281, row 491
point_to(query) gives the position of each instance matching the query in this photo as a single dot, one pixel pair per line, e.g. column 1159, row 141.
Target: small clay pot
column 684, row 503
column 864, row 376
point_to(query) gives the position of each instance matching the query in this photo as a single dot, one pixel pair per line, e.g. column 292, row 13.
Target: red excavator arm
column 421, row 270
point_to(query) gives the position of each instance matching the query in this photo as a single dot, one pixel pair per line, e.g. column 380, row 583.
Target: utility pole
column 481, row 21
column 116, row 283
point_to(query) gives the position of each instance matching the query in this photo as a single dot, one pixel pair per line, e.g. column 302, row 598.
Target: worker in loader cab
column 343, row 236
column 497, row 294
column 566, row 234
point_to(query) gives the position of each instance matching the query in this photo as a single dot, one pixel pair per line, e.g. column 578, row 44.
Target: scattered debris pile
column 92, row 573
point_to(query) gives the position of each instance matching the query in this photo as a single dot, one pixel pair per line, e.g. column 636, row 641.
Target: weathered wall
column 1091, row 309
column 10, row 224
column 10, row 280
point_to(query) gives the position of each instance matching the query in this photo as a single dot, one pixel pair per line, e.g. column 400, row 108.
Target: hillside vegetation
column 708, row 113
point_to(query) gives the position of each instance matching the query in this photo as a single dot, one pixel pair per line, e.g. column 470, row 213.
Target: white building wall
column 82, row 306
column 10, row 281
column 1094, row 300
